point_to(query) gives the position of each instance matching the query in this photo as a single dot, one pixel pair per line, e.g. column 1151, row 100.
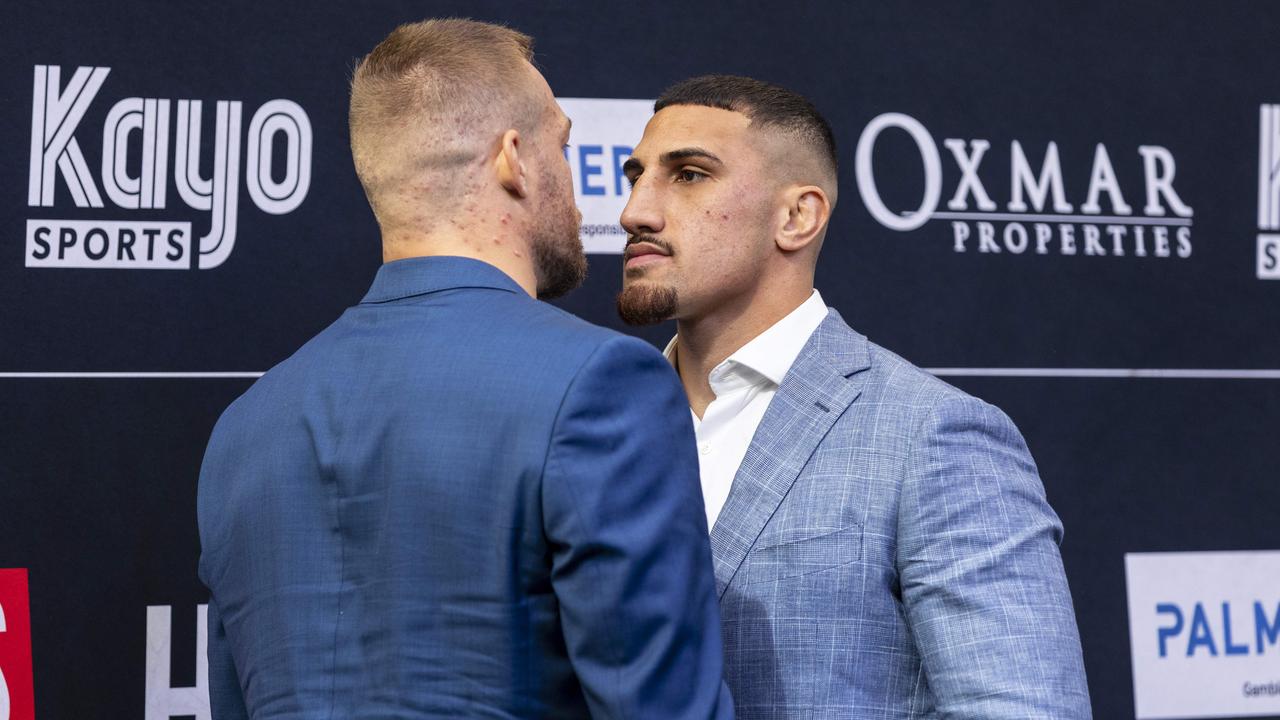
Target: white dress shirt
column 744, row 384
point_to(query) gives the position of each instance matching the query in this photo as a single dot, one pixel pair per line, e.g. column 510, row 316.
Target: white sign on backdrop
column 603, row 135
column 1204, row 628
column 1269, row 192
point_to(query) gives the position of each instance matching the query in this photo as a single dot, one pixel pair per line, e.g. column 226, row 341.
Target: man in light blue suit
column 883, row 546
column 458, row 501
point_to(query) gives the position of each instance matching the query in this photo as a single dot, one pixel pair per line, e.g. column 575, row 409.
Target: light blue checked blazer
column 887, row 551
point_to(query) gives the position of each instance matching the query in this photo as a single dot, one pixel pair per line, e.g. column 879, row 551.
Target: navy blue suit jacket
column 459, row 501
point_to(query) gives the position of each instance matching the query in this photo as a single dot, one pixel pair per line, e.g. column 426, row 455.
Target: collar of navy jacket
column 821, row 384
column 400, row 279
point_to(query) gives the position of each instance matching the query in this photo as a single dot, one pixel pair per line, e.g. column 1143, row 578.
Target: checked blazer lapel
column 818, row 388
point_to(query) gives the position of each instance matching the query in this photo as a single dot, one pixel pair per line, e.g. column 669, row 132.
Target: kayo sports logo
column 136, row 141
column 1037, row 219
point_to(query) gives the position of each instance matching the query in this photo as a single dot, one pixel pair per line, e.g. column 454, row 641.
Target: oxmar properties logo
column 137, row 136
column 1037, row 218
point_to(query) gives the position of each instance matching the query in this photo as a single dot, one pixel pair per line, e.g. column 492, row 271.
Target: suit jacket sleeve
column 982, row 578
column 631, row 563
column 226, row 702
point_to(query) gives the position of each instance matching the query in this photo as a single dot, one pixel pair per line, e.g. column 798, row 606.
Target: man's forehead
column 677, row 126
column 543, row 89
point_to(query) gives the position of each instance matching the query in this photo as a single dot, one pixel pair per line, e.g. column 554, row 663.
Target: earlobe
column 509, row 168
column 807, row 212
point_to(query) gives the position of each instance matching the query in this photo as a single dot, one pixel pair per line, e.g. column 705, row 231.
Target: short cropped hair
column 443, row 79
column 765, row 104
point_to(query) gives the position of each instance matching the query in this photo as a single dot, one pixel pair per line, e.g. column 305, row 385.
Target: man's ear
column 807, row 211
column 510, row 170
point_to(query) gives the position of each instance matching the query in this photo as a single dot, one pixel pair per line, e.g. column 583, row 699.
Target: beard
column 643, row 303
column 559, row 262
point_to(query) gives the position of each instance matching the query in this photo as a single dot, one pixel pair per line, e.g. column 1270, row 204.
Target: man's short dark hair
column 765, row 104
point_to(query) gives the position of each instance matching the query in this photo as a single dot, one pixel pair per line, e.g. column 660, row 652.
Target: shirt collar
column 422, row 275
column 767, row 357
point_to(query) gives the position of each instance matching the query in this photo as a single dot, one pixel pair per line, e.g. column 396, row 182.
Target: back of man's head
column 428, row 102
column 770, row 107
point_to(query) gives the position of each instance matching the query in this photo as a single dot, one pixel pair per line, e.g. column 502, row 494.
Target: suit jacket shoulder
column 887, row 549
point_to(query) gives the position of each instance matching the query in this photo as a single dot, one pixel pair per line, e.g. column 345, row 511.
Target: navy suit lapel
column 816, row 391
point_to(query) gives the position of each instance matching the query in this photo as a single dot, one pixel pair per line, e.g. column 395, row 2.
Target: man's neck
column 705, row 342
column 479, row 240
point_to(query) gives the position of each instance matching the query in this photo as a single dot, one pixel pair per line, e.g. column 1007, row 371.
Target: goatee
column 647, row 304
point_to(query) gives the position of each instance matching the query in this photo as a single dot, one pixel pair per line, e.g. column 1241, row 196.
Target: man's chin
column 646, row 303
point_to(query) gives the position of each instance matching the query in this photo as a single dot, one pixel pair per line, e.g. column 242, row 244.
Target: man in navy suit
column 883, row 546
column 457, row 500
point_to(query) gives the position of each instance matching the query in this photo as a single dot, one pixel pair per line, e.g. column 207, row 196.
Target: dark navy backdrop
column 97, row 475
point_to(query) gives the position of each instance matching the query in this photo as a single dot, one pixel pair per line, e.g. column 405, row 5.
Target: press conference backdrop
column 1071, row 210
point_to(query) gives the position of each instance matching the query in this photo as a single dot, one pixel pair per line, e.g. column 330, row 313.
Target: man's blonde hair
column 433, row 96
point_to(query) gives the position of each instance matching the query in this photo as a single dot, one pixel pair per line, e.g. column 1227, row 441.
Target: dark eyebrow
column 690, row 153
column 633, row 167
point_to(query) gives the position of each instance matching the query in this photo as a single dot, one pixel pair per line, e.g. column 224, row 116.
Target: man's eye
column 689, row 176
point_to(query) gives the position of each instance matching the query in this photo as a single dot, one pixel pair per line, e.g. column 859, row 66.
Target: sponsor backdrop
column 1070, row 210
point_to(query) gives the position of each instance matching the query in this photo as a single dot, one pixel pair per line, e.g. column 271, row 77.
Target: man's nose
column 643, row 212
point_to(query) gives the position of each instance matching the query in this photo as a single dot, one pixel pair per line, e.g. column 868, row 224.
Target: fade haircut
column 433, row 95
column 765, row 105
